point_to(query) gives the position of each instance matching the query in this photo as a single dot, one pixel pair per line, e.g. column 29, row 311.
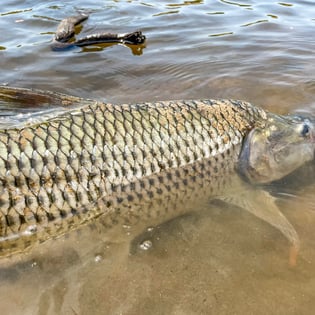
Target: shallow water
column 220, row 259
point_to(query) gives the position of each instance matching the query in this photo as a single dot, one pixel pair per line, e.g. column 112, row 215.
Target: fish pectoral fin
column 261, row 204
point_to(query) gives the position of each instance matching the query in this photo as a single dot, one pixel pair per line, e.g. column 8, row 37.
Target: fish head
column 276, row 148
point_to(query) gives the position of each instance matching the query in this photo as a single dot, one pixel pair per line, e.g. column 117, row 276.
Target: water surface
column 220, row 259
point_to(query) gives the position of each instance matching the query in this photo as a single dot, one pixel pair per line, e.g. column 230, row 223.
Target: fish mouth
column 312, row 135
column 310, row 124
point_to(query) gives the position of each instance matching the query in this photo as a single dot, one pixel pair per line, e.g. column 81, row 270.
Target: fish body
column 117, row 162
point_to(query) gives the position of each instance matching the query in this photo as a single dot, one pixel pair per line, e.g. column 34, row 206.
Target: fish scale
column 114, row 162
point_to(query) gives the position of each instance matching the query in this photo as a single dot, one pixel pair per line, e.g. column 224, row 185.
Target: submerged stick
column 66, row 31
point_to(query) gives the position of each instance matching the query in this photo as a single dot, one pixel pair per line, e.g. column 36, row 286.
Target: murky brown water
column 218, row 260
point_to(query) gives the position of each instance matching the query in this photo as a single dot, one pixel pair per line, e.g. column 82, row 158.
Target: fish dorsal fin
column 261, row 204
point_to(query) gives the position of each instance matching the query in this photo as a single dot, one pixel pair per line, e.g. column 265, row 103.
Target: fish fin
column 261, row 204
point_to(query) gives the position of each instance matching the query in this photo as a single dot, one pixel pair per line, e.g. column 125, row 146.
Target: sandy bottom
column 218, row 260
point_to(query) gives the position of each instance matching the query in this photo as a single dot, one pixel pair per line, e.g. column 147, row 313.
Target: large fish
column 133, row 163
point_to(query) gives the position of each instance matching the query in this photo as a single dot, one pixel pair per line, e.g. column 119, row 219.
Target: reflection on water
column 237, row 4
column 220, row 259
column 136, row 50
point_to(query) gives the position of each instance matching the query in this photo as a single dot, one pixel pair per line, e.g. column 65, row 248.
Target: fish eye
column 305, row 131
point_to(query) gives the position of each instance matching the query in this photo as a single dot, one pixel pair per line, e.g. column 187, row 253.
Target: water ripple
column 242, row 5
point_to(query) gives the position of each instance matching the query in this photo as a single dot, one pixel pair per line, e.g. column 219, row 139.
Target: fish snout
column 306, row 128
column 309, row 130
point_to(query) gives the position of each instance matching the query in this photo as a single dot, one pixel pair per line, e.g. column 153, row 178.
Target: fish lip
column 312, row 130
column 311, row 124
column 312, row 140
